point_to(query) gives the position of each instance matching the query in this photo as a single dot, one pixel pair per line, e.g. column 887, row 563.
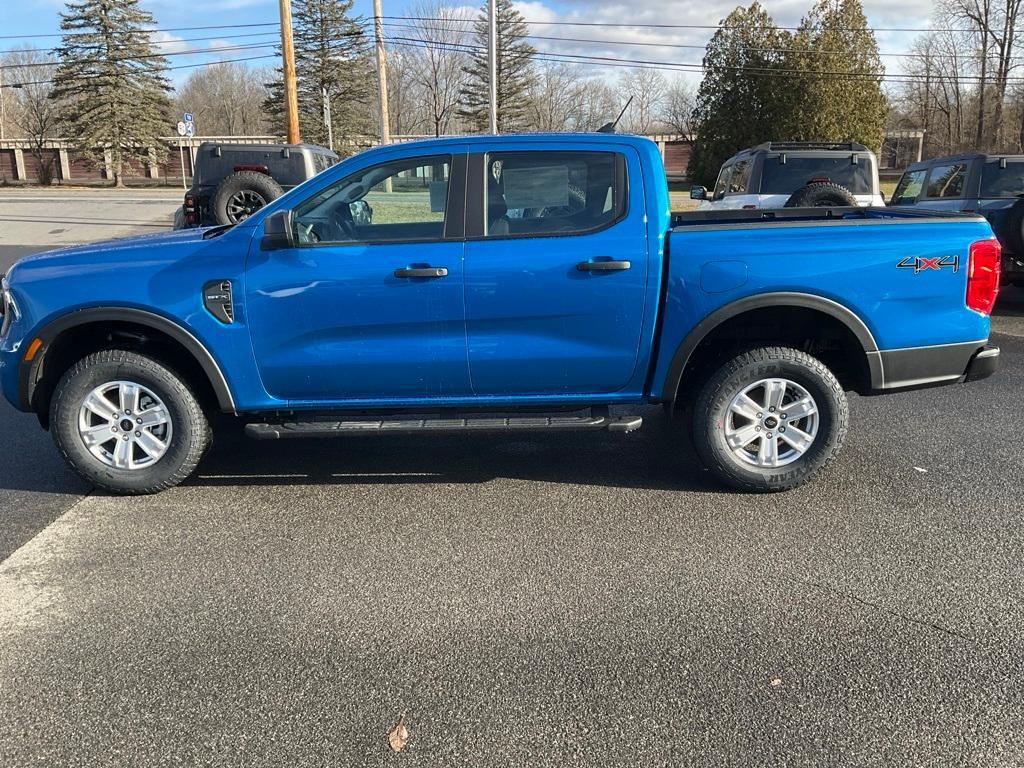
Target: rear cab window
column 536, row 193
column 908, row 188
column 1002, row 182
column 785, row 178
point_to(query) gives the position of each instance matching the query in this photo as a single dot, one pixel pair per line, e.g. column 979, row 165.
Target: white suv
column 795, row 174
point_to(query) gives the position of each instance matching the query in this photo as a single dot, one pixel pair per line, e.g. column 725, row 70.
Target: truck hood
column 121, row 248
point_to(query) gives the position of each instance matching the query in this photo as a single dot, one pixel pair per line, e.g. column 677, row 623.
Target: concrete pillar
column 19, row 165
column 154, row 165
column 65, row 164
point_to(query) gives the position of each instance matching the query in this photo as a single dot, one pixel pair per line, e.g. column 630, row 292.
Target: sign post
column 181, row 152
column 190, row 131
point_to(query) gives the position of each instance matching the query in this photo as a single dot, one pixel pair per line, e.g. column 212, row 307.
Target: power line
column 177, row 66
column 146, row 31
column 118, row 60
column 654, row 44
column 689, row 66
column 154, row 42
column 620, row 25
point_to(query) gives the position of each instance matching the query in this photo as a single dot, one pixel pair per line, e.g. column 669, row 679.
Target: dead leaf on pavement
column 399, row 735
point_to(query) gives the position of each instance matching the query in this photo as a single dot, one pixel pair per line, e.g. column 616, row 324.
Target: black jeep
column 231, row 181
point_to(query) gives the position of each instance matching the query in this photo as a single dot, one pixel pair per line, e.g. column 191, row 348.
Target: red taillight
column 983, row 275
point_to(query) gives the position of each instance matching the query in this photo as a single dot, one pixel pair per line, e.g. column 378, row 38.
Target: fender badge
column 924, row 263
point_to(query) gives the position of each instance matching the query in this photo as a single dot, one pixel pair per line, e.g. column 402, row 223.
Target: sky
column 22, row 19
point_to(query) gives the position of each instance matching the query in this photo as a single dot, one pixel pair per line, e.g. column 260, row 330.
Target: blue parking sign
column 188, row 117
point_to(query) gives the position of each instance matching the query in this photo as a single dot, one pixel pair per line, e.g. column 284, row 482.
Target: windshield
column 1002, row 182
column 786, row 178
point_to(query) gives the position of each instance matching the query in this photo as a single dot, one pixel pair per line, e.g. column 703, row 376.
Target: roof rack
column 793, row 146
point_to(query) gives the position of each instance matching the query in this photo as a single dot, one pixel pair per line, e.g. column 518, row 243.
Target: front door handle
column 422, row 272
column 603, row 266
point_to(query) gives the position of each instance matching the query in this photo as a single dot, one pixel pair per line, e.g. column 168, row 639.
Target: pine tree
column 837, row 91
column 741, row 98
column 111, row 83
column 515, row 71
column 332, row 55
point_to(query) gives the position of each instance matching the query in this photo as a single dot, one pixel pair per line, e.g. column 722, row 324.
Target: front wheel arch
column 71, row 337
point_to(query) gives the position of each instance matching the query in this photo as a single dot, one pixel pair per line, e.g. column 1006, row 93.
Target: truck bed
column 813, row 215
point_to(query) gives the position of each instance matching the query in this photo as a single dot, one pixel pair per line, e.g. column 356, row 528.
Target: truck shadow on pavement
column 658, row 457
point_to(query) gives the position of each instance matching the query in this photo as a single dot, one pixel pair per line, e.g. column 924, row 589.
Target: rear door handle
column 603, row 266
column 422, row 272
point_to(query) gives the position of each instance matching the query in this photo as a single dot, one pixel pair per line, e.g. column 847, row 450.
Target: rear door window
column 1002, row 182
column 909, row 188
column 778, row 178
column 947, row 180
column 548, row 193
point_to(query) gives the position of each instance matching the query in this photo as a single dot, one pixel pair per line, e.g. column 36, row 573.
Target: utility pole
column 327, row 118
column 3, row 111
column 492, row 61
column 382, row 73
column 291, row 93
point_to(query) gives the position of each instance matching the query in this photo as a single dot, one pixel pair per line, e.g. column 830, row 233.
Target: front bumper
column 983, row 364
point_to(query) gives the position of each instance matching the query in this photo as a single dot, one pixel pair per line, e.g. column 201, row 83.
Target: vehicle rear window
column 779, row 178
column 909, row 188
column 947, row 180
column 1002, row 182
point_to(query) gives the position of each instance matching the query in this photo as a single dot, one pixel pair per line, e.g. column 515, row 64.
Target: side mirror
column 362, row 213
column 278, row 231
column 697, row 192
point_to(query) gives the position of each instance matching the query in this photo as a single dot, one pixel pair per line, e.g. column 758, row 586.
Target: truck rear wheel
column 770, row 419
column 128, row 424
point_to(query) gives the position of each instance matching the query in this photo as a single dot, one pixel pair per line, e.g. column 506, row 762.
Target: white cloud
column 165, row 42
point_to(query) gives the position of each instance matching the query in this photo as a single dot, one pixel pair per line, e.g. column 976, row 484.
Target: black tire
column 712, row 412
column 821, row 194
column 1011, row 233
column 241, row 194
column 190, row 430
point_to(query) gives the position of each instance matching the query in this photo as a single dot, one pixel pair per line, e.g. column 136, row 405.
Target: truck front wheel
column 127, row 423
column 770, row 419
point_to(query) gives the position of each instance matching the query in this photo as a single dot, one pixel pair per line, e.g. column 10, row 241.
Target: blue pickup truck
column 508, row 283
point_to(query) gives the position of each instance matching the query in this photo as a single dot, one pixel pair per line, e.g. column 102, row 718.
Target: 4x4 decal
column 924, row 263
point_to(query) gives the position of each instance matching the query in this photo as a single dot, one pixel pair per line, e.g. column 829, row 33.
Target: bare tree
column 439, row 60
column 226, row 99
column 34, row 112
column 646, row 87
column 555, row 99
column 677, row 107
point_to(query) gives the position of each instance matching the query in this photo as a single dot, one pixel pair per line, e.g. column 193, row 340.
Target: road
column 554, row 600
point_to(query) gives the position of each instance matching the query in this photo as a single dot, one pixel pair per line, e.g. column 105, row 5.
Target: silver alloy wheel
column 771, row 423
column 125, row 425
column 243, row 204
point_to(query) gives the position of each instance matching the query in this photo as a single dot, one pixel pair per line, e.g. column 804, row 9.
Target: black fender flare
column 28, row 375
column 759, row 301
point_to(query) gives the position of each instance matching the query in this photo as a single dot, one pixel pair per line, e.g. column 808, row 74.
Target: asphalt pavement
column 563, row 600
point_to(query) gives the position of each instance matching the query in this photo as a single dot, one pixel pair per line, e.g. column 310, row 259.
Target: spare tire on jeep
column 821, row 194
column 241, row 194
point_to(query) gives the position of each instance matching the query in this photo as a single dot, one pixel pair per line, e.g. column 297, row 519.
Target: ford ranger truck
column 501, row 283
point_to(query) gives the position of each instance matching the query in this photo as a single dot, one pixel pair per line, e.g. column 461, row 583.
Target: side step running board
column 480, row 423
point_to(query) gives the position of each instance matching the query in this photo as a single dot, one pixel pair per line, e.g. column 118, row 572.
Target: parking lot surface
column 553, row 600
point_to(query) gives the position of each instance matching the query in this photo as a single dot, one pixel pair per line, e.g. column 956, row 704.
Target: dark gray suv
column 232, row 181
